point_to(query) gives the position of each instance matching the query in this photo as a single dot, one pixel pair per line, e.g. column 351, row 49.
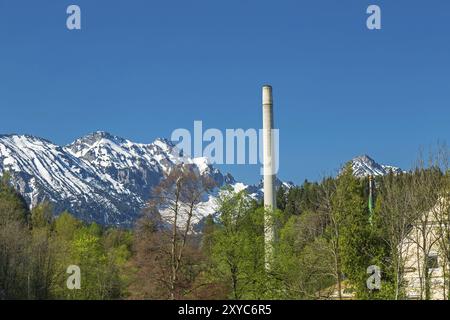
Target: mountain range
column 108, row 179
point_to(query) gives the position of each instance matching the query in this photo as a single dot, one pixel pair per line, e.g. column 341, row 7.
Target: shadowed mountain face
column 100, row 177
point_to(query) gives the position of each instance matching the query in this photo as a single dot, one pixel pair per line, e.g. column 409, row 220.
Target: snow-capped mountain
column 41, row 171
column 99, row 177
column 107, row 179
column 364, row 166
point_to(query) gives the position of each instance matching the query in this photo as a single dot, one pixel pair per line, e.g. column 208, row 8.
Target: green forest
column 327, row 236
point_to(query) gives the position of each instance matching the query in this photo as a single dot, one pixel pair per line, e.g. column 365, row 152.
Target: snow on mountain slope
column 99, row 177
column 135, row 166
column 42, row 171
column 364, row 166
column 127, row 165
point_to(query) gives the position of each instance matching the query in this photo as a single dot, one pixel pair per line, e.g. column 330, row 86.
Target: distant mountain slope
column 364, row 166
column 43, row 171
column 99, row 177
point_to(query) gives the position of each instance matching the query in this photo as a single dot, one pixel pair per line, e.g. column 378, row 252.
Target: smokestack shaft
column 269, row 158
column 269, row 174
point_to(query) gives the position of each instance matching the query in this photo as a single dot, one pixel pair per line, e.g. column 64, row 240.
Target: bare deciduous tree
column 334, row 223
column 426, row 186
column 174, row 207
column 395, row 216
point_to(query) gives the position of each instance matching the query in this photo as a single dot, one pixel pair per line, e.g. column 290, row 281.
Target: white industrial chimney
column 269, row 172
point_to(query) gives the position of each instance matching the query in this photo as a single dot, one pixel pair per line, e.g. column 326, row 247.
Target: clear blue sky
column 142, row 68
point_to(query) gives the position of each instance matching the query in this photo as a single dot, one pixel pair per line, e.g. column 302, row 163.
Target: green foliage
column 359, row 245
column 301, row 199
column 324, row 238
column 66, row 225
column 14, row 240
column 42, row 216
column 237, row 251
column 282, row 198
column 36, row 250
column 13, row 207
column 100, row 254
column 302, row 260
column 207, row 242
